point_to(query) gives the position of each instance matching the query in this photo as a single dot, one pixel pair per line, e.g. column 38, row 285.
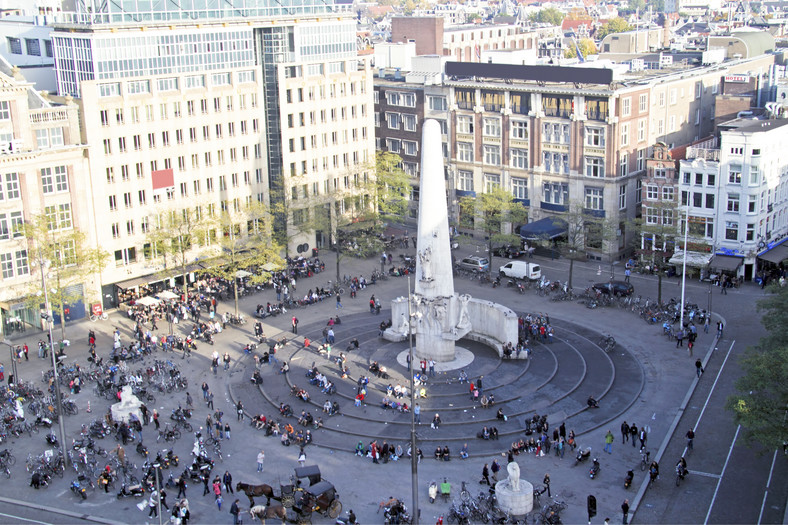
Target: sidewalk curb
column 76, row 515
column 634, row 506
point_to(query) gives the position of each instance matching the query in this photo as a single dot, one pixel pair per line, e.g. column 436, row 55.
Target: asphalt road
column 727, row 484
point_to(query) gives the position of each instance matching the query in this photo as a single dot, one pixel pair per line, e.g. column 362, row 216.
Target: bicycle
column 607, row 343
column 465, row 496
column 103, row 316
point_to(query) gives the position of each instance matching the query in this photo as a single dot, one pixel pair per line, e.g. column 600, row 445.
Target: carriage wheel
column 287, row 501
column 304, row 519
column 335, row 509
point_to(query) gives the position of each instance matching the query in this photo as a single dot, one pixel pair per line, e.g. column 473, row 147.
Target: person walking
column 260, row 460
column 690, row 438
column 485, row 475
column 680, row 337
column 706, row 324
column 495, row 469
column 153, row 504
column 189, row 401
column 156, row 419
column 633, row 431
column 627, row 274
column 609, row 442
column 720, row 328
column 698, row 367
column 181, row 487
column 417, row 413
column 624, row 432
column 294, row 324
column 205, row 480
column 227, row 481
column 339, row 301
column 625, row 510
column 643, row 437
column 210, row 400
column 431, row 364
column 546, row 482
column 234, row 510
column 301, row 457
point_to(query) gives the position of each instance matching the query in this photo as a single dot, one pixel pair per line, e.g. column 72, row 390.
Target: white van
column 521, row 270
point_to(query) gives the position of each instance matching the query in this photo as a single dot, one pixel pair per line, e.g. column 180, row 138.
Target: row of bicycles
column 484, row 508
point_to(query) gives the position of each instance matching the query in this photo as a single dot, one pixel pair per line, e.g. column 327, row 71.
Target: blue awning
column 547, row 228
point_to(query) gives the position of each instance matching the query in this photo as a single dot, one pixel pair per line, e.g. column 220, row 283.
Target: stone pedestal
column 517, row 503
column 129, row 404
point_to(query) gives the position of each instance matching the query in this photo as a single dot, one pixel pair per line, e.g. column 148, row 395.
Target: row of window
column 32, row 46
column 333, row 139
column 313, row 93
column 141, row 87
column 335, row 161
column 175, row 109
column 332, row 115
column 14, row 264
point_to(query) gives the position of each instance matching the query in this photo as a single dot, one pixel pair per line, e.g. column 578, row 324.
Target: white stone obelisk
column 435, row 305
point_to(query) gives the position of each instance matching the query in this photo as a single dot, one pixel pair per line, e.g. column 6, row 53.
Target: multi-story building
column 659, row 209
column 43, row 170
column 203, row 110
column 736, row 195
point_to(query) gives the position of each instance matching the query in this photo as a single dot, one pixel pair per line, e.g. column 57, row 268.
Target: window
column 410, row 147
column 626, row 106
column 519, row 158
column 14, row 46
column 754, row 175
column 54, row 179
column 668, row 193
column 555, row 132
column 652, row 192
column 437, row 103
column 11, row 225
column 733, row 202
column 519, row 130
column 641, row 160
column 750, row 232
column 642, row 130
column 33, row 47
column 639, row 191
column 492, row 155
column 491, row 181
column 734, row 174
column 393, row 145
column 623, row 165
column 643, row 102
column 595, row 167
column 595, row 137
column 492, row 127
column 697, row 200
column 737, row 151
column 710, row 201
column 556, row 193
column 594, row 199
column 392, row 120
column 465, row 125
column 464, row 152
column 465, row 180
column 625, row 134
column 58, row 217
column 731, row 231
column 11, row 186
column 622, row 197
column 752, row 201
column 409, row 122
column 673, row 97
column 520, row 188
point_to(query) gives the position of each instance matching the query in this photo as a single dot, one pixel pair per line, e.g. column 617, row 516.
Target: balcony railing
column 45, row 115
column 694, row 152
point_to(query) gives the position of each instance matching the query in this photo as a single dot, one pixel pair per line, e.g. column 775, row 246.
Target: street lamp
column 13, row 360
column 684, row 270
column 44, row 264
column 414, row 460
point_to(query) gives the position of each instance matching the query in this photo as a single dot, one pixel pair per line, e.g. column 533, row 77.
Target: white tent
column 695, row 259
column 167, row 295
column 148, row 301
column 242, row 274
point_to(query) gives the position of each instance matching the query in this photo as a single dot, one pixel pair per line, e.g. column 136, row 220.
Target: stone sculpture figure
column 514, row 476
column 464, row 318
column 424, row 258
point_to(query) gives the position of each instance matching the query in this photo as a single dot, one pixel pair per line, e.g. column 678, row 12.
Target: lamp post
column 56, row 380
column 684, row 270
column 414, row 460
column 13, row 360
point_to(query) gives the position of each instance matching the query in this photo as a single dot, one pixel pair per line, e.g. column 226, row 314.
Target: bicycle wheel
column 678, row 480
column 10, row 460
column 104, row 316
column 187, row 426
column 176, row 433
column 465, row 495
column 7, row 472
column 93, row 318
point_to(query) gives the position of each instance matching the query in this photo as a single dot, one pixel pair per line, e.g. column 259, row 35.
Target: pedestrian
column 698, row 367
column 690, row 438
column 210, row 400
column 680, row 337
column 239, row 410
column 627, row 274
column 205, row 388
column 227, row 480
column 432, row 368
column 205, row 480
column 417, row 413
column 643, row 436
column 234, row 510
column 495, row 468
column 486, row 475
column 217, row 487
column 706, row 324
column 25, row 349
column 181, row 487
column 609, row 442
column 260, row 460
column 633, row 431
column 479, row 385
column 625, row 510
column 294, row 324
column 423, row 364
column 189, row 401
column 690, row 344
column 156, row 419
column 227, row 430
column 226, row 360
column 624, row 432
column 163, row 499
column 153, row 504
column 546, row 482
column 301, row 457
column 720, row 327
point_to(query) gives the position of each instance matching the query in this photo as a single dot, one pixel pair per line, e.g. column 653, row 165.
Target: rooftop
column 751, row 125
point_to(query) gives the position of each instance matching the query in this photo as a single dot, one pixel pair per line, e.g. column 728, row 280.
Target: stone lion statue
column 514, row 476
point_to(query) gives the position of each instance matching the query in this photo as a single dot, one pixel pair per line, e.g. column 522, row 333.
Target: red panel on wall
column 163, row 179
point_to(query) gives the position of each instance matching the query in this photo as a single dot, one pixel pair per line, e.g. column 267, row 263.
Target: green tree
column 587, row 47
column 490, row 212
column 549, row 15
column 245, row 241
column 177, row 237
column 655, row 236
column 63, row 253
column 616, row 25
column 390, row 187
column 634, row 5
column 760, row 404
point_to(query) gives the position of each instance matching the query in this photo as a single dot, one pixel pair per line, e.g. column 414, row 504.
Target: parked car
column 474, row 263
column 521, row 270
column 615, row 288
column 509, row 251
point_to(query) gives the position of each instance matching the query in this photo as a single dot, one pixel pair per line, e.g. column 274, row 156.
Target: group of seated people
column 383, row 326
column 285, row 368
column 463, row 377
column 488, row 433
column 285, row 410
column 530, row 446
column 443, row 453
column 257, row 379
column 508, row 350
column 300, row 393
column 396, row 405
column 299, row 437
column 379, row 370
column 487, row 401
column 331, row 408
column 306, row 419
column 398, row 391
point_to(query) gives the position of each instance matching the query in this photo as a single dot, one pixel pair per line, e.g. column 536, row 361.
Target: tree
column 760, row 404
column 635, row 5
column 489, row 212
column 656, row 234
column 584, row 232
column 245, row 241
column 587, row 47
column 616, row 25
column 50, row 240
column 390, row 187
column 550, row 15
column 177, row 238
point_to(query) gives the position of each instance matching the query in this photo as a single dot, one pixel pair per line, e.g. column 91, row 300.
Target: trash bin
column 314, row 252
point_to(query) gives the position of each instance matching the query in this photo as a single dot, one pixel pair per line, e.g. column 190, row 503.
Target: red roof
column 575, row 24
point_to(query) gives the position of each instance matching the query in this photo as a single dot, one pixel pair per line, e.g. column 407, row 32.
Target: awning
column 547, row 228
column 695, row 259
column 242, row 274
column 137, row 281
column 167, row 295
column 270, row 267
column 776, row 255
column 147, row 301
column 726, row 263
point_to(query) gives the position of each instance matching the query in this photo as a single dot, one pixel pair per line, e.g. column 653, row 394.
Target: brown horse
column 256, row 490
column 262, row 513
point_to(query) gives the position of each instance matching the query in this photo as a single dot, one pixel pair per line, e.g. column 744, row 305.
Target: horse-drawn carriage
column 321, row 498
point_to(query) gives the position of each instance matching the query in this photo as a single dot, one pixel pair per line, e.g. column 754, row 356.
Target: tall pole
column 684, row 270
column 157, row 473
column 55, row 378
column 13, row 362
column 414, row 459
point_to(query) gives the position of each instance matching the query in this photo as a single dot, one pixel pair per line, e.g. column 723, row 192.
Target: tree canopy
column 584, row 232
column 760, row 404
column 616, row 25
column 549, row 15
column 391, row 186
column 587, row 47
